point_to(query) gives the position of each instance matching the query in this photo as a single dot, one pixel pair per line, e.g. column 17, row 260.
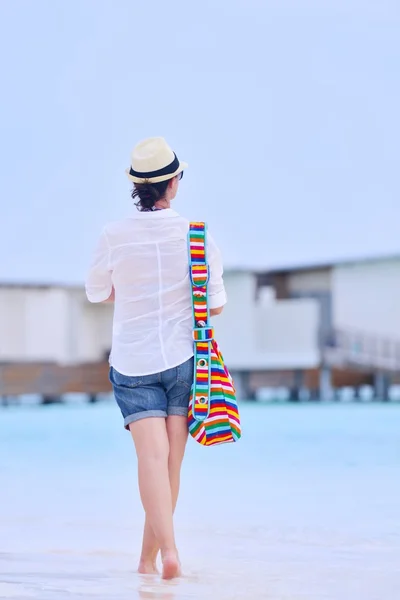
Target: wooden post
column 48, row 399
column 242, row 384
column 298, row 381
column 381, row 385
column 325, row 383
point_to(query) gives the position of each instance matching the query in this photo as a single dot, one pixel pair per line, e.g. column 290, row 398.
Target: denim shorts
column 157, row 395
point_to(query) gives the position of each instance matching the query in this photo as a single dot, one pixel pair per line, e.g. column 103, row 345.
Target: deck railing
column 354, row 348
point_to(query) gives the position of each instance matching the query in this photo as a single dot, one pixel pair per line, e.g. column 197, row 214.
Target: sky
column 287, row 112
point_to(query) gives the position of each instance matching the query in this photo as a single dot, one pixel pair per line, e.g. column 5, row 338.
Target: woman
column 141, row 263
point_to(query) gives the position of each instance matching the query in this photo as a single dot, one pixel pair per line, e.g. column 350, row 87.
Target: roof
column 31, row 285
column 272, row 270
column 317, row 265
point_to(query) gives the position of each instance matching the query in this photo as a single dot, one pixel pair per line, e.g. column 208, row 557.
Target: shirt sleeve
column 98, row 282
column 216, row 289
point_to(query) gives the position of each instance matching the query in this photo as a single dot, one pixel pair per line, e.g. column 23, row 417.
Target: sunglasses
column 180, row 175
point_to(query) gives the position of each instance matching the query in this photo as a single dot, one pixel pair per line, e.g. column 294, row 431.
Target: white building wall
column 12, row 323
column 286, row 334
column 235, row 327
column 94, row 341
column 366, row 298
column 266, row 334
column 90, row 328
column 60, row 325
column 46, row 325
column 33, row 324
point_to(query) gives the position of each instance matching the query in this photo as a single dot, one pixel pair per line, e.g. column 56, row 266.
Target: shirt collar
column 165, row 213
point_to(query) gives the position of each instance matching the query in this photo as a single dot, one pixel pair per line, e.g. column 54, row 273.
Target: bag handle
column 203, row 333
column 199, row 273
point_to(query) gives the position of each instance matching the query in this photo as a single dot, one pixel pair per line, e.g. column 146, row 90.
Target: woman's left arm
column 216, row 288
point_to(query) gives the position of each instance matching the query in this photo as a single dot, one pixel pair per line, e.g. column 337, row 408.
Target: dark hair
column 147, row 194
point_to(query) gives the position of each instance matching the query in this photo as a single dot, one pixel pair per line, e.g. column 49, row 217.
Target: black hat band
column 168, row 170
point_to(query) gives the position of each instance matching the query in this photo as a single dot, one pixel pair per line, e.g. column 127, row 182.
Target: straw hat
column 153, row 161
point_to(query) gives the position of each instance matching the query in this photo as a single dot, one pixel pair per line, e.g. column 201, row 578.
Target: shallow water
column 306, row 506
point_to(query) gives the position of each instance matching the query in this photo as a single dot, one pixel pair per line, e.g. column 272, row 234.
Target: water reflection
column 146, row 593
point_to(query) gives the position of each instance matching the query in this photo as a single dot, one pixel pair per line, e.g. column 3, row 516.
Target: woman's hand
column 111, row 297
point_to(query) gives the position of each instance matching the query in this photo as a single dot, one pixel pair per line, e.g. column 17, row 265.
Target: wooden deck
column 53, row 380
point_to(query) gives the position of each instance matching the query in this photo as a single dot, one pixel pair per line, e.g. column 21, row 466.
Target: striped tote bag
column 213, row 411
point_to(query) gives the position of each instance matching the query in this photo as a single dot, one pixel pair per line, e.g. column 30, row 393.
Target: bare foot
column 171, row 566
column 147, row 567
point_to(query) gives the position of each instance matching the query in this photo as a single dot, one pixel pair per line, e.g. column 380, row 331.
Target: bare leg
column 152, row 448
column 177, row 435
column 150, row 548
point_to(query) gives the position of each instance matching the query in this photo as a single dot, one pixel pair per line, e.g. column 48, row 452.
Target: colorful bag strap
column 203, row 333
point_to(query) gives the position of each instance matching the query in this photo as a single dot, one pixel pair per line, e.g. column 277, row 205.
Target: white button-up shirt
column 145, row 259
